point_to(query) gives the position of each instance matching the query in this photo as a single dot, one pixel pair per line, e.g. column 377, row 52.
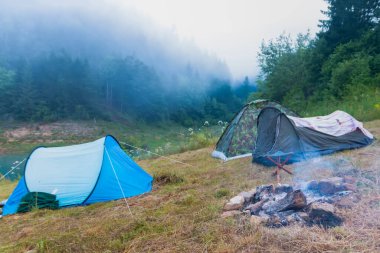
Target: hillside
column 182, row 213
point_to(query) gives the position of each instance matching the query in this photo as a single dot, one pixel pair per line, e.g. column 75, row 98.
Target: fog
column 97, row 30
column 87, row 59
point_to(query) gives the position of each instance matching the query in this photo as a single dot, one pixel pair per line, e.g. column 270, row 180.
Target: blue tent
column 81, row 174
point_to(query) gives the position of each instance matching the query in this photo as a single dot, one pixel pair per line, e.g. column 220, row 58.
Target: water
column 10, row 160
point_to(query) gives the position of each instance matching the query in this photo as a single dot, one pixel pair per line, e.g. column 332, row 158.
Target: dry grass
column 182, row 214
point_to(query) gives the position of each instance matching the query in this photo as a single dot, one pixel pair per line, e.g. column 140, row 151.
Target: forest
column 90, row 65
column 57, row 86
column 338, row 68
column 102, row 67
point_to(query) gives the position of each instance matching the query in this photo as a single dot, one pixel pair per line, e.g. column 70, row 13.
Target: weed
column 223, row 192
column 167, row 178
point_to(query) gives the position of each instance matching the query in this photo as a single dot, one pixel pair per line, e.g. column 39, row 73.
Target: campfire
column 308, row 203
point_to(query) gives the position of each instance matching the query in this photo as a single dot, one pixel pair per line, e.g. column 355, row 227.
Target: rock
column 349, row 187
column 230, row 213
column 330, row 186
column 322, row 214
column 248, row 196
column 235, row 203
column 256, row 208
column 285, row 188
column 257, row 220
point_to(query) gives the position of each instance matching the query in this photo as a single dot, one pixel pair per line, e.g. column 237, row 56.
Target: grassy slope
column 22, row 138
column 363, row 105
column 185, row 216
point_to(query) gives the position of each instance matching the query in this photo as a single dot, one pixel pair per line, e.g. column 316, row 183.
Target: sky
column 233, row 30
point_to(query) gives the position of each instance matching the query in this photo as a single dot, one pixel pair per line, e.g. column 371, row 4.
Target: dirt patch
column 18, row 133
column 46, row 132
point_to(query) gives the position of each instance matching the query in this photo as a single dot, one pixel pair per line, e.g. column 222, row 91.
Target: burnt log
column 255, row 208
column 263, row 192
column 295, row 200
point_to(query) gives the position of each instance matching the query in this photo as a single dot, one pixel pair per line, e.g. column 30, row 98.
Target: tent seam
column 100, row 172
column 26, row 164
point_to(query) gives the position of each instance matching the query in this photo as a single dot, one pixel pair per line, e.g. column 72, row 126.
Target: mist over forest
column 85, row 60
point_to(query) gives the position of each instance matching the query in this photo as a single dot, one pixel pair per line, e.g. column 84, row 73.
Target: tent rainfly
column 270, row 132
column 79, row 175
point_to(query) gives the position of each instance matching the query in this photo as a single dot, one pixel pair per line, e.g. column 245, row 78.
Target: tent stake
column 280, row 165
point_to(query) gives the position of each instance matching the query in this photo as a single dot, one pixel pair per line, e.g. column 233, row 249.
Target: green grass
column 158, row 139
column 364, row 105
column 182, row 213
column 6, row 188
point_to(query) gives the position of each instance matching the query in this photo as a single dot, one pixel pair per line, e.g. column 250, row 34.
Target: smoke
column 97, row 30
column 322, row 167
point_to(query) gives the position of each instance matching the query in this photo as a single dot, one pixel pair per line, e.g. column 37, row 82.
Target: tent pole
column 117, row 178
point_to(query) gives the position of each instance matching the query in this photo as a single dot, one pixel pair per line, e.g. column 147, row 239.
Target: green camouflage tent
column 239, row 138
column 273, row 133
